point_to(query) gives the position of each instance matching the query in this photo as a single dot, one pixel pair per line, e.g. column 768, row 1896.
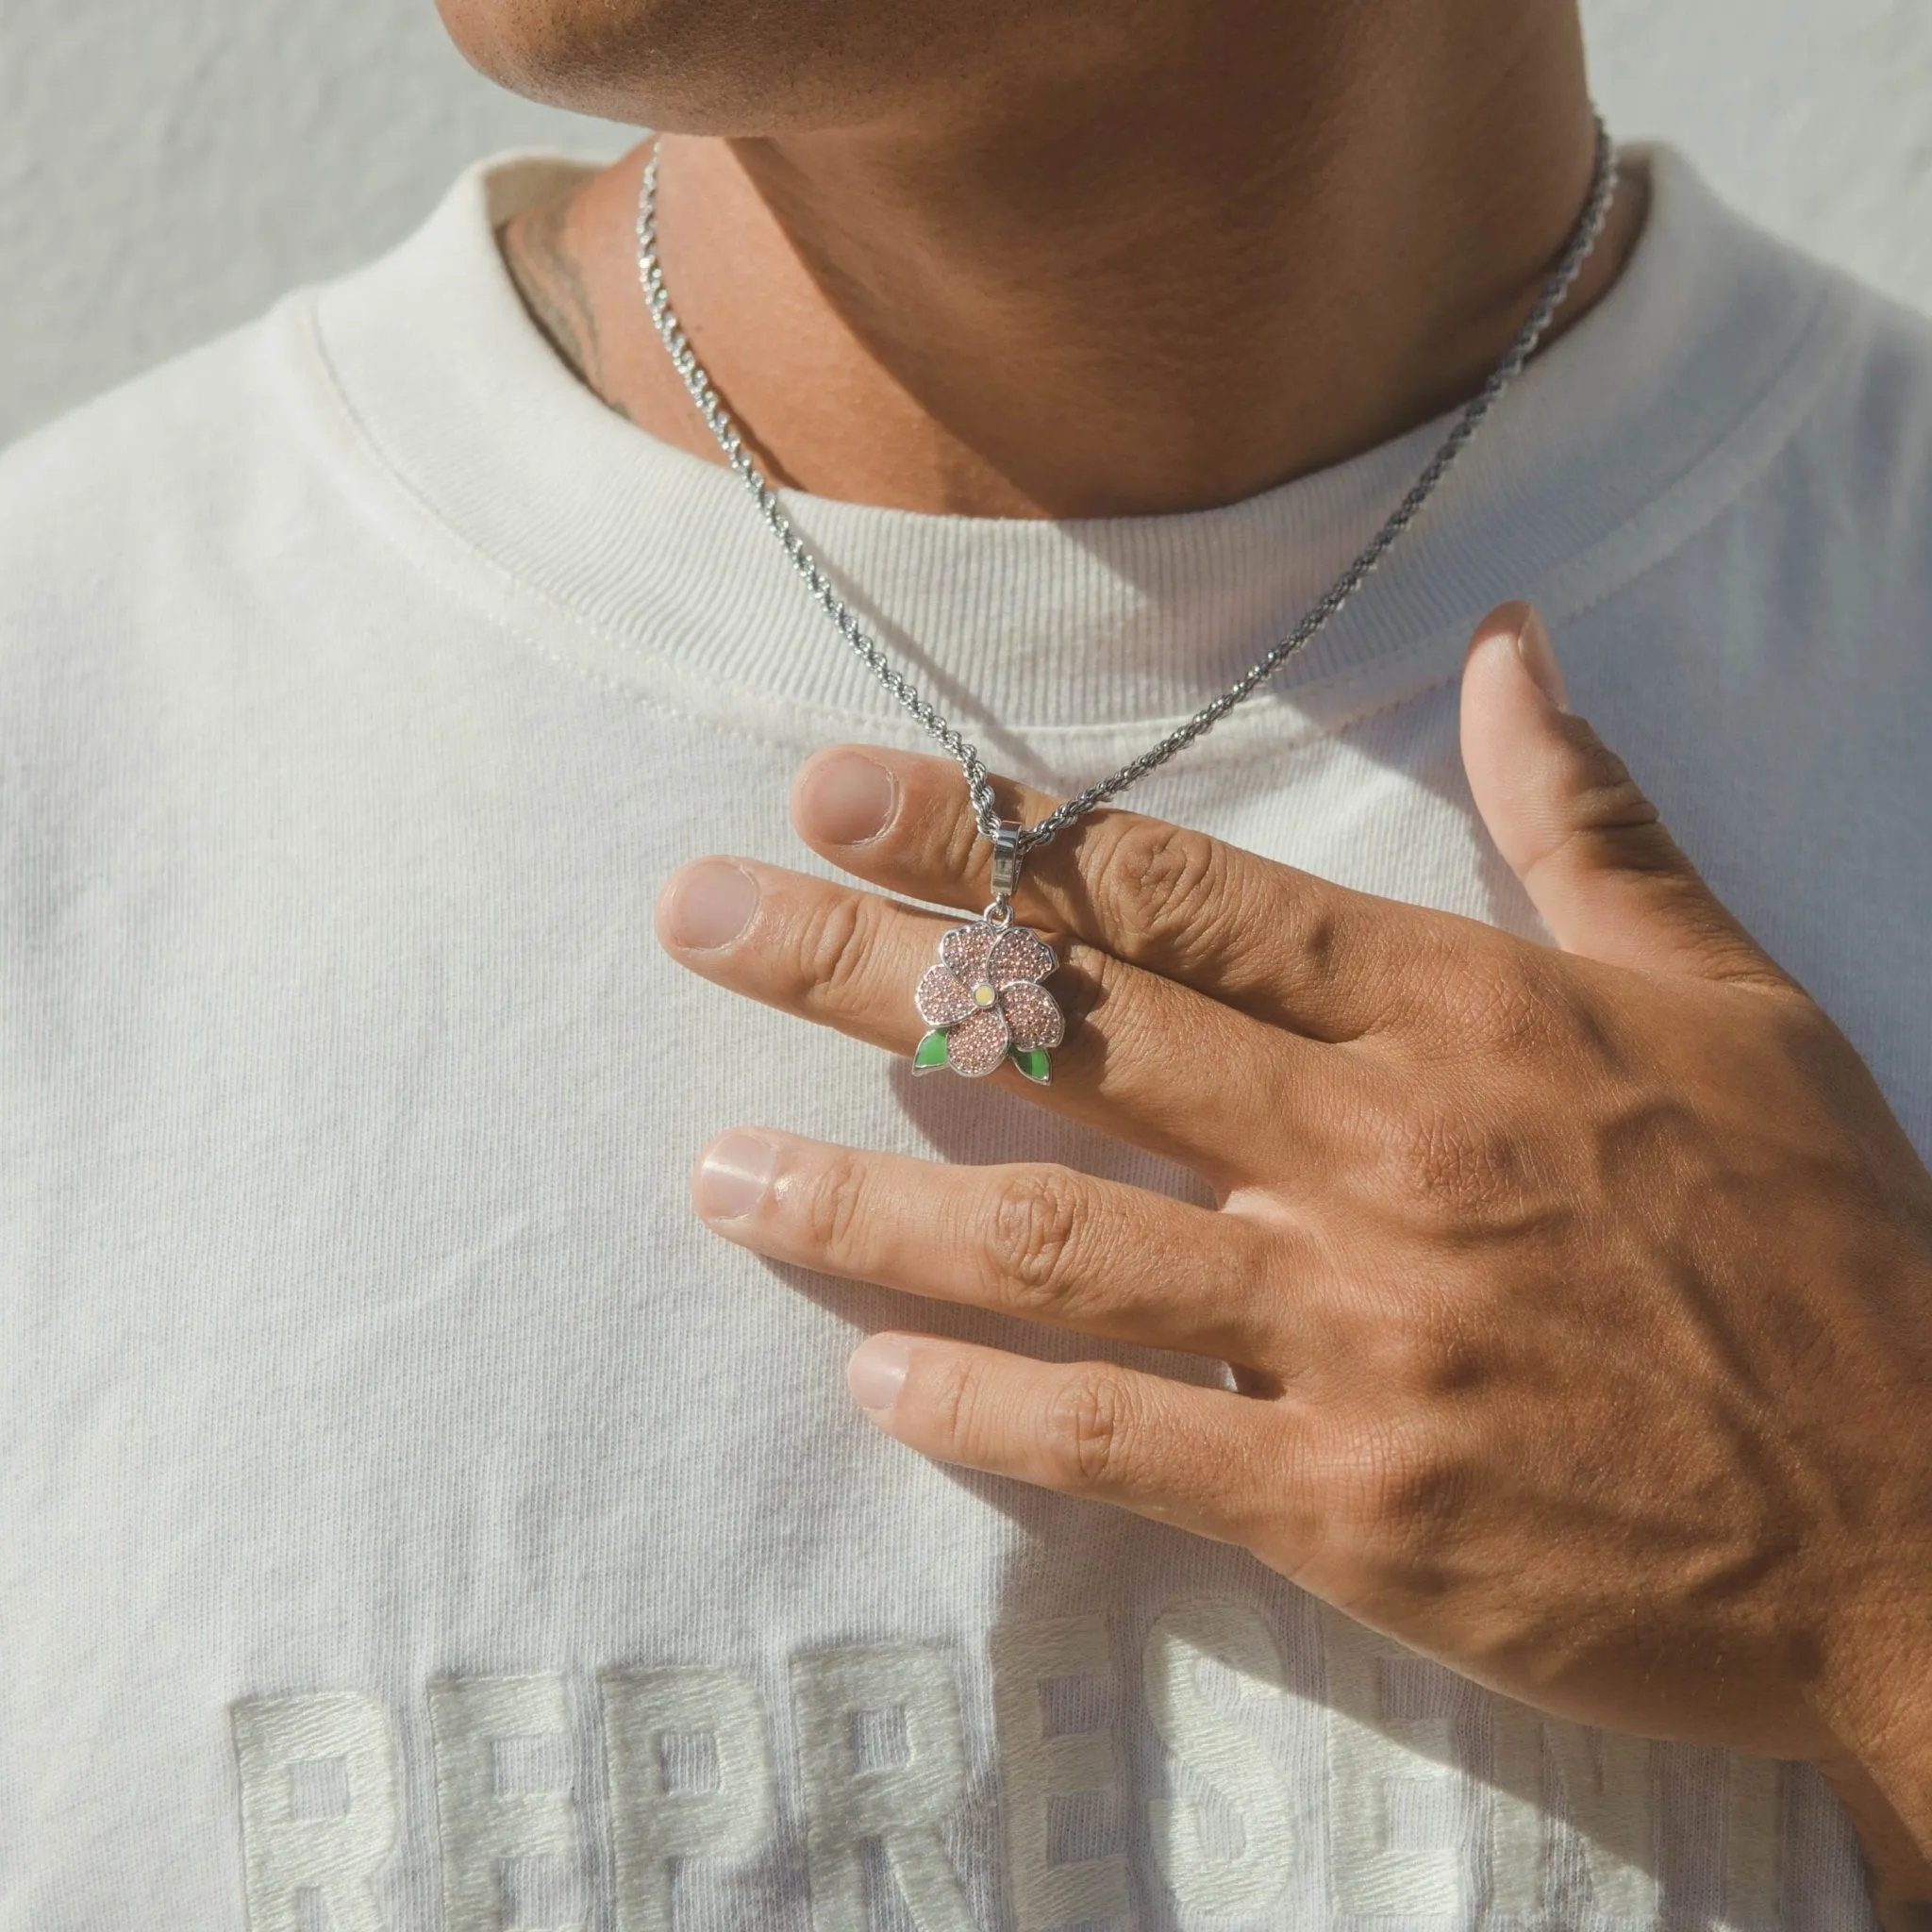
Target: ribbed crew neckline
column 1033, row 626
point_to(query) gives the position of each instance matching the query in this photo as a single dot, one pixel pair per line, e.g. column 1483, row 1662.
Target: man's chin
column 720, row 67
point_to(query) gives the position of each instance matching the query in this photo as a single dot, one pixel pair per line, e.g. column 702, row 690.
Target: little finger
column 1207, row 1460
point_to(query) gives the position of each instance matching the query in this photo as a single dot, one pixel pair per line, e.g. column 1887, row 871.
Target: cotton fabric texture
column 412, row 1517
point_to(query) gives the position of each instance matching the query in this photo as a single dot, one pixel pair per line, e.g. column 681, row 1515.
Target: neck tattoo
column 983, row 1002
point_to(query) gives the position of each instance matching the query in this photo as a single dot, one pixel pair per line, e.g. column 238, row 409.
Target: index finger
column 1275, row 943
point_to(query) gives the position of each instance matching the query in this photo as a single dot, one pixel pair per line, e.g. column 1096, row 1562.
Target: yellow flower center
column 983, row 994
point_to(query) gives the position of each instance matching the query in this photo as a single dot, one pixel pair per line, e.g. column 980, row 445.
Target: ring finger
column 1149, row 1062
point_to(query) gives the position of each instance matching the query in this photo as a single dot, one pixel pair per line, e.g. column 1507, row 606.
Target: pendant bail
column 1006, row 869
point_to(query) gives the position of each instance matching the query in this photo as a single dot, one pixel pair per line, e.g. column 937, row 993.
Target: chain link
column 1583, row 238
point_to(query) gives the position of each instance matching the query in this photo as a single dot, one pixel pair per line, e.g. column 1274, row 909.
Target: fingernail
column 711, row 905
column 876, row 1372
column 1539, row 656
column 847, row 799
column 733, row 1176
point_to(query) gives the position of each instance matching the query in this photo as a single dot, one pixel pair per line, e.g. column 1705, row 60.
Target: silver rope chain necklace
column 983, row 1002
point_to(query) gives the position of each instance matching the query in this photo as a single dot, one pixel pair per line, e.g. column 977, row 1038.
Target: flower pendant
column 985, row 1004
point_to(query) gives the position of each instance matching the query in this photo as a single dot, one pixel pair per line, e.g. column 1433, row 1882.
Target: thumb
column 1588, row 846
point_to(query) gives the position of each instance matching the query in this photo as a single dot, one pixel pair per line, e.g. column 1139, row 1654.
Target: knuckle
column 1608, row 820
column 1599, row 794
column 832, row 952
column 1403, row 1488
column 1310, row 925
column 1449, row 1168
column 1414, row 1487
column 959, row 840
column 935, row 833
column 832, row 1213
column 1503, row 1006
column 1802, row 1030
column 1031, row 1234
column 1428, row 1354
column 1167, row 884
column 1086, row 1430
column 951, row 1404
column 1606, row 798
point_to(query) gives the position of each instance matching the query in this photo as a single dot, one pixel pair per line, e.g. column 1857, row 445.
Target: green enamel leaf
column 1032, row 1061
column 931, row 1054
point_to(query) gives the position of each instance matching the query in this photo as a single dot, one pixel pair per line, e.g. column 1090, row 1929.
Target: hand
column 1578, row 1299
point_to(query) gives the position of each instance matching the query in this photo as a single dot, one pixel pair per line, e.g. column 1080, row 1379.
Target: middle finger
column 1045, row 1242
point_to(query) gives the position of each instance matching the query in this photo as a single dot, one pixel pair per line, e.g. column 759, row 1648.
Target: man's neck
column 1221, row 266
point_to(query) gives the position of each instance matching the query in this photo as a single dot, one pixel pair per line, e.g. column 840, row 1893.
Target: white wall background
column 166, row 169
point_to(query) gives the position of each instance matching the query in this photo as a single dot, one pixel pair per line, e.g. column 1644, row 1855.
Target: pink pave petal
column 977, row 1045
column 1017, row 955
column 940, row 999
column 965, row 949
column 1033, row 1014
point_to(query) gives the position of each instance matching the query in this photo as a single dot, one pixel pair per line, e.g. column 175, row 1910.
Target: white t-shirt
column 412, row 1517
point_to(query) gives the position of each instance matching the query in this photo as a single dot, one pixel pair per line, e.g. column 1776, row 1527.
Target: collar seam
column 1603, row 564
